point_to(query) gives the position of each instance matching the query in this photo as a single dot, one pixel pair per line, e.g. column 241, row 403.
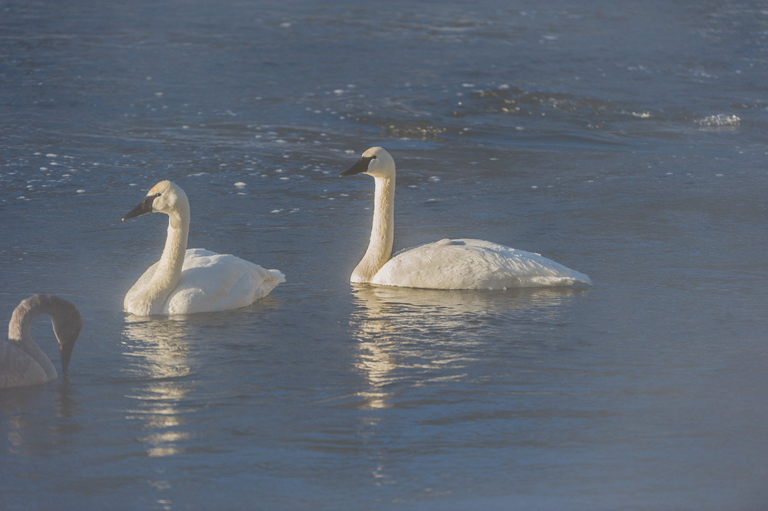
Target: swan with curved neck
column 445, row 264
column 195, row 280
column 22, row 362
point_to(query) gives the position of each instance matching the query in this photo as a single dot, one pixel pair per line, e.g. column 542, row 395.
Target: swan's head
column 165, row 197
column 67, row 323
column 375, row 162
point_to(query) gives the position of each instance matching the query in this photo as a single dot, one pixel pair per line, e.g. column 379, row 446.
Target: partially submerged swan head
column 165, row 197
column 67, row 324
column 375, row 162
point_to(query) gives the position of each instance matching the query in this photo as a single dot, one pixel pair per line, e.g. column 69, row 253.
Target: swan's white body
column 209, row 282
column 22, row 362
column 195, row 280
column 446, row 264
column 473, row 264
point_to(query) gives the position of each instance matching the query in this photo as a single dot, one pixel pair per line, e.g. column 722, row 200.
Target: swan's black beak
column 67, row 331
column 358, row 168
column 142, row 208
column 65, row 352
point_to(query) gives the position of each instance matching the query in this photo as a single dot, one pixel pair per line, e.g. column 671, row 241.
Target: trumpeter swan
column 195, row 280
column 445, row 264
column 22, row 362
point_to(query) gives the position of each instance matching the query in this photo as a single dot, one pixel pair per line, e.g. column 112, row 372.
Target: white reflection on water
column 29, row 434
column 157, row 361
column 424, row 336
column 16, row 438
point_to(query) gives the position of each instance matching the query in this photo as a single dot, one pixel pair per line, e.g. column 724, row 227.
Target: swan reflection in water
column 423, row 336
column 30, row 424
column 157, row 362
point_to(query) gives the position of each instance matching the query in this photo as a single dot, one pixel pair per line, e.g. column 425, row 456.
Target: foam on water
column 719, row 121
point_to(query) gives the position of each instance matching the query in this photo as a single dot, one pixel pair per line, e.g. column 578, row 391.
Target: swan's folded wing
column 215, row 282
column 17, row 369
column 473, row 264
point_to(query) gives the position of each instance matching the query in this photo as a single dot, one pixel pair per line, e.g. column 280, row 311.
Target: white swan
column 446, row 264
column 195, row 280
column 22, row 362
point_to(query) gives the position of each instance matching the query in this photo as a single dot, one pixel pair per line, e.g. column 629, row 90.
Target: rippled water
column 624, row 140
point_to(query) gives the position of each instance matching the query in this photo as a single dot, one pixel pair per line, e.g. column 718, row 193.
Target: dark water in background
column 626, row 140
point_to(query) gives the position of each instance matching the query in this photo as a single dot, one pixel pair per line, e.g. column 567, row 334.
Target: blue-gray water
column 626, row 140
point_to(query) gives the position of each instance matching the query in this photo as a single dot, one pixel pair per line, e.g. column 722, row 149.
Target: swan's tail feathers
column 264, row 281
column 565, row 277
column 278, row 274
column 581, row 279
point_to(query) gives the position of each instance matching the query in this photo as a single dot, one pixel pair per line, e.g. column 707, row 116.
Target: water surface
column 624, row 140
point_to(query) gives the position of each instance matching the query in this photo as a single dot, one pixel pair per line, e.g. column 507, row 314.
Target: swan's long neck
column 168, row 272
column 382, row 231
column 18, row 328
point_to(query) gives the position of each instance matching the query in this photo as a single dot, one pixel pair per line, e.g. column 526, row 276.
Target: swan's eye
column 373, row 157
column 158, row 195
